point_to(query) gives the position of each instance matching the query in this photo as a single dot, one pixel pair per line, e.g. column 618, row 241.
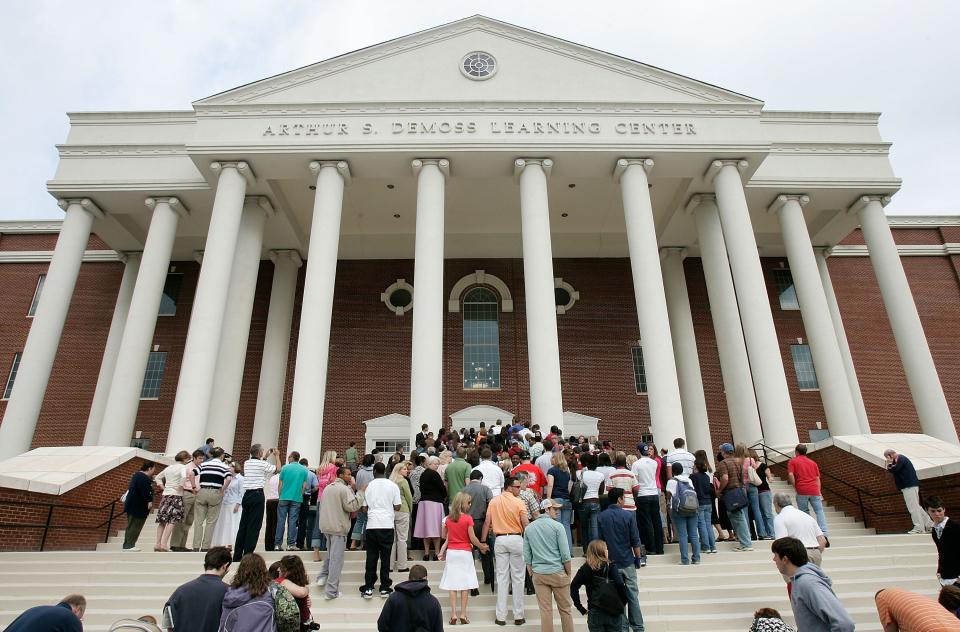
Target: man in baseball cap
column 547, row 556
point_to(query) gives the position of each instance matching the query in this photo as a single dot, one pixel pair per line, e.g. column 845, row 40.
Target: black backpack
column 604, row 594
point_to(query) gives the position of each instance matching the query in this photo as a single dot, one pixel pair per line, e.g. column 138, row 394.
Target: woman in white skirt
column 225, row 533
column 459, row 571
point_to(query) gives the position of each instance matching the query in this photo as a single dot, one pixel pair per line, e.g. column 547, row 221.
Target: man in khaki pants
column 547, row 556
column 190, row 488
column 214, row 479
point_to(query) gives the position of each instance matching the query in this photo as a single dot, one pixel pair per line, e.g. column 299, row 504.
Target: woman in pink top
column 326, row 474
column 459, row 571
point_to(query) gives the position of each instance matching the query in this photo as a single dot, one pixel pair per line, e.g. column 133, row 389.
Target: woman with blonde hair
column 326, row 474
column 753, row 492
column 559, row 483
column 606, row 598
column 445, row 458
column 459, row 571
column 170, row 512
column 401, row 524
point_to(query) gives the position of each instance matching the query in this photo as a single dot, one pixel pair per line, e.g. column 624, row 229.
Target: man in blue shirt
column 293, row 480
column 63, row 617
column 618, row 528
column 905, row 477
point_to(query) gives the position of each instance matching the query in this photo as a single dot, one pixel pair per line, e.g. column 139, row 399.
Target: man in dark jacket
column 946, row 535
column 63, row 617
column 905, row 477
column 196, row 605
column 138, row 504
column 411, row 606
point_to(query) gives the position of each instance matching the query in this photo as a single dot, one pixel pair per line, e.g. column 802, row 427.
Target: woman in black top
column 765, row 496
column 429, row 524
column 706, row 496
column 605, row 610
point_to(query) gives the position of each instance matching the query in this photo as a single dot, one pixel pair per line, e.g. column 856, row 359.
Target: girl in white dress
column 225, row 533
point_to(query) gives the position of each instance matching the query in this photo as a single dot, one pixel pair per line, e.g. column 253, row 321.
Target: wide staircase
column 720, row 595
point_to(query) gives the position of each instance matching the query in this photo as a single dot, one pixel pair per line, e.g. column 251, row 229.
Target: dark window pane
column 803, row 365
column 400, row 298
column 785, row 290
column 481, row 339
column 639, row 376
column 153, row 376
column 560, row 296
column 171, row 294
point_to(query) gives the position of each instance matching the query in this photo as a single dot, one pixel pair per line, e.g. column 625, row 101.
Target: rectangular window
column 13, row 376
column 171, row 294
column 803, row 365
column 36, row 295
column 154, row 375
column 389, row 447
column 639, row 376
column 481, row 339
column 785, row 290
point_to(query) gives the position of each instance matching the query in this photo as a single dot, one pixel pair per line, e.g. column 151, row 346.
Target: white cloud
column 897, row 58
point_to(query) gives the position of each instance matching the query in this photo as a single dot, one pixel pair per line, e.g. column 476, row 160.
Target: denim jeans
column 753, row 497
column 288, row 511
column 817, row 502
column 566, row 517
column 708, row 537
column 738, row 519
column 634, row 616
column 589, row 513
column 686, row 527
column 600, row 621
column 766, row 510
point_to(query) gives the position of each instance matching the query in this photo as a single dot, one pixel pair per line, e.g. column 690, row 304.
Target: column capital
column 85, row 203
column 863, row 200
column 717, row 165
column 291, row 255
column 522, row 163
column 442, row 164
column 130, row 255
column 342, row 167
column 173, row 202
column 666, row 251
column 623, row 163
column 198, row 256
column 261, row 202
column 697, row 199
column 242, row 167
column 823, row 251
column 781, row 200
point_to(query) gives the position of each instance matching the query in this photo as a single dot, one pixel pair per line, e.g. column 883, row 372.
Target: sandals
column 453, row 621
column 464, row 620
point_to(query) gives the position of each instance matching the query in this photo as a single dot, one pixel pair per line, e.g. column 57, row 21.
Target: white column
column 854, row 383
column 276, row 347
column 663, row 390
column 120, row 413
column 827, row 361
column 426, row 364
column 202, row 347
column 40, row 350
column 921, row 373
column 131, row 264
column 313, row 346
column 763, row 346
column 731, row 346
column 228, row 379
column 684, row 338
column 543, row 350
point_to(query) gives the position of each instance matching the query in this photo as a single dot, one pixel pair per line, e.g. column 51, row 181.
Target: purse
column 604, row 594
column 734, row 499
column 752, row 477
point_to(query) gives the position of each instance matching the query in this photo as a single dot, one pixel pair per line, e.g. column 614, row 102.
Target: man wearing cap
column 547, row 556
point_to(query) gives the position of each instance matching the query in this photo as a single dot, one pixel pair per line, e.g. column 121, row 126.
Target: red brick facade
column 370, row 346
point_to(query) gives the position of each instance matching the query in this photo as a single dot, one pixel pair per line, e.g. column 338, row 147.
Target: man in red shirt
column 804, row 474
column 536, row 479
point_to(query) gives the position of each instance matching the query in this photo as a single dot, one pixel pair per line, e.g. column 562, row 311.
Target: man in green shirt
column 456, row 474
column 547, row 556
column 351, row 457
column 293, row 481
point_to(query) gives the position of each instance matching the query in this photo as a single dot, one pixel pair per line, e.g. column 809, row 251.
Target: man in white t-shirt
column 545, row 460
column 648, row 502
column 793, row 523
column 492, row 474
column 590, row 505
column 680, row 455
column 382, row 498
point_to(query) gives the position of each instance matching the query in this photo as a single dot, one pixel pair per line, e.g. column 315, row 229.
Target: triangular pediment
column 426, row 67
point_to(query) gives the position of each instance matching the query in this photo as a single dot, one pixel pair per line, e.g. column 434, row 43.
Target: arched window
column 481, row 339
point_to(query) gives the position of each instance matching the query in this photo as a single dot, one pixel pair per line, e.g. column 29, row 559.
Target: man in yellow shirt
column 507, row 518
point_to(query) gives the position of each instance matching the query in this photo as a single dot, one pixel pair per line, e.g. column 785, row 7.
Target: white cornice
column 904, row 250
column 816, row 149
column 127, row 151
column 45, row 256
column 913, row 221
column 30, row 227
column 819, row 118
column 128, row 118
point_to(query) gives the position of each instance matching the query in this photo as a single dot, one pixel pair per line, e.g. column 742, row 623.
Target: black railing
column 846, row 494
column 47, row 525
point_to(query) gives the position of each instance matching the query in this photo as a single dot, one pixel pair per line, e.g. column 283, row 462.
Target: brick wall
column 843, row 474
column 369, row 368
column 78, row 520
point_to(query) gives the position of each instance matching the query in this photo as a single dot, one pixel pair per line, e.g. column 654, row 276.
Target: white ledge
column 45, row 256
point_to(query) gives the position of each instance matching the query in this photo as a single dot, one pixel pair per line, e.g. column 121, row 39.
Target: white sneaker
column 321, row 581
column 331, row 597
column 132, row 549
column 914, row 531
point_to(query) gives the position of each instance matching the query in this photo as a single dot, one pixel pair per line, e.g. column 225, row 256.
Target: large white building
column 473, row 140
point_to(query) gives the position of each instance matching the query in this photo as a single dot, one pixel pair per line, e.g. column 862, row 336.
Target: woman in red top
column 290, row 573
column 459, row 572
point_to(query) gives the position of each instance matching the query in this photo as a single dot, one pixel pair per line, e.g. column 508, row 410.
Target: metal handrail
column 47, row 526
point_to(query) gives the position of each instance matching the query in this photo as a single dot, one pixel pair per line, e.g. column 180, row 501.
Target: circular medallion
column 478, row 65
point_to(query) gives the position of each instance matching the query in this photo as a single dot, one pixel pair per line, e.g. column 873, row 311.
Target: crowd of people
column 519, row 500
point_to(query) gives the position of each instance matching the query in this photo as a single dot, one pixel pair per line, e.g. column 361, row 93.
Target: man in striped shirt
column 214, row 479
column 256, row 471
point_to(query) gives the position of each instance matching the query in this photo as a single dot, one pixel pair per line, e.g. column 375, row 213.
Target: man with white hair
column 793, row 523
column 905, row 477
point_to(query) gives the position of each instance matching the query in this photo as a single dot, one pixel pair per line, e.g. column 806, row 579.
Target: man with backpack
column 411, row 607
column 684, row 507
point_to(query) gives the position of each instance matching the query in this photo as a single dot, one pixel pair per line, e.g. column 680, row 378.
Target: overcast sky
column 898, row 58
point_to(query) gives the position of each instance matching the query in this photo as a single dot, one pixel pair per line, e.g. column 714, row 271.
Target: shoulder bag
column 736, row 498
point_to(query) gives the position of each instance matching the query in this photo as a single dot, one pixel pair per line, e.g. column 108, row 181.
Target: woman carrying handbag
column 733, row 494
column 606, row 592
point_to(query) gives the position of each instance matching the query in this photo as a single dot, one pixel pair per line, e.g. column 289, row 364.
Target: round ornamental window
column 561, row 296
column 479, row 65
column 401, row 298
column 398, row 297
